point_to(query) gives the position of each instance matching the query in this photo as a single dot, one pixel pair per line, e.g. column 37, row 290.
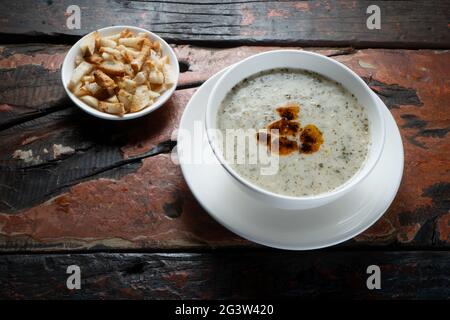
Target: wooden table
column 105, row 196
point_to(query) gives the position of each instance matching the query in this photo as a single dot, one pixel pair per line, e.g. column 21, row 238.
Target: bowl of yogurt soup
column 295, row 129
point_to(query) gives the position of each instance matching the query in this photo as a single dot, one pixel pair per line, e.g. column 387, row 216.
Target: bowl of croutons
column 120, row 73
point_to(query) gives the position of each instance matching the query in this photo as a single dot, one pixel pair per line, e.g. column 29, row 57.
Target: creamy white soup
column 321, row 130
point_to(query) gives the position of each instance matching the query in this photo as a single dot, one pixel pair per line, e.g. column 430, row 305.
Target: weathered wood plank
column 31, row 80
column 43, row 135
column 233, row 275
column 155, row 208
column 404, row 24
column 43, row 157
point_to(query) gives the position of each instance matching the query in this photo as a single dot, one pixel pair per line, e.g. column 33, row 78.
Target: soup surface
column 321, row 107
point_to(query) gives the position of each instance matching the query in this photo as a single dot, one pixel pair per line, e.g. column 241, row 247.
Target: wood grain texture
column 25, row 106
column 404, row 24
column 232, row 275
column 31, row 81
column 97, row 195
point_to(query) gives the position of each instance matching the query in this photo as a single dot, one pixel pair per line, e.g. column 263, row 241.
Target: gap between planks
column 256, row 248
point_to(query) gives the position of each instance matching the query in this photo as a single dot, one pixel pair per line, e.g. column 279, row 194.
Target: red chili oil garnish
column 285, row 127
column 289, row 111
column 311, row 139
column 286, row 133
column 285, row 146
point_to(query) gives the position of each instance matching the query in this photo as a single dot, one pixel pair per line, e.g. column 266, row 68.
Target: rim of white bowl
column 161, row 100
column 354, row 180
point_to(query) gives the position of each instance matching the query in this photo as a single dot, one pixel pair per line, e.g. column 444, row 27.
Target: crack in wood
column 209, row 3
column 32, row 116
column 55, row 181
column 343, row 52
column 394, row 95
column 414, row 122
column 160, row 148
column 426, row 216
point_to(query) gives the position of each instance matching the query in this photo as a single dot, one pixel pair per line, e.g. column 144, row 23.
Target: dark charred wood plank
column 404, row 24
column 233, row 275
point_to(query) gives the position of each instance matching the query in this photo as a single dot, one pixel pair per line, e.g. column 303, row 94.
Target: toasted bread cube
column 141, row 90
column 153, row 94
column 133, row 53
column 140, row 78
column 156, row 46
column 83, row 69
column 147, row 66
column 126, row 33
column 160, row 88
column 90, row 101
column 78, row 59
column 160, row 62
column 112, row 99
column 114, row 52
column 133, row 42
column 156, row 76
column 169, row 75
column 136, row 64
column 88, row 79
column 125, row 98
column 112, row 68
column 165, row 59
column 112, row 107
column 104, row 42
column 93, row 88
column 76, row 89
column 127, row 58
column 88, row 45
column 129, row 85
column 113, row 37
column 94, row 59
column 141, row 99
column 129, row 72
column 103, row 80
column 155, row 59
column 96, row 91
column 107, row 56
column 142, row 35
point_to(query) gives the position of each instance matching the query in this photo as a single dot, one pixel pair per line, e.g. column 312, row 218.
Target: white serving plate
column 218, row 192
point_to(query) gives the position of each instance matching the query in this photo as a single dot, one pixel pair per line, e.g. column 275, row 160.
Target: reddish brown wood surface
column 89, row 197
